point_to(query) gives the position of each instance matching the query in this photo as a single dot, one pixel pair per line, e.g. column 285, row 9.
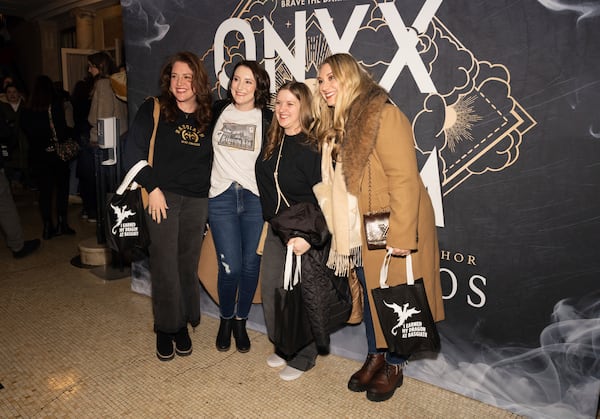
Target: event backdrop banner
column 504, row 100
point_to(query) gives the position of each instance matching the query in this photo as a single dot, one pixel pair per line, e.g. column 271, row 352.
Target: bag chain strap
column 369, row 169
column 54, row 137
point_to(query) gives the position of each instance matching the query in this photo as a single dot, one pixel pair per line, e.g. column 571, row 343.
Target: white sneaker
column 290, row 373
column 275, row 361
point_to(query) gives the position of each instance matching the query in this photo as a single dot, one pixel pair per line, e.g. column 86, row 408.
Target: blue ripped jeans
column 235, row 219
column 390, row 357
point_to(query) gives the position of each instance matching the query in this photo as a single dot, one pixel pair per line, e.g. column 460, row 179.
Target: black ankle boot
column 224, row 335
column 63, row 227
column 164, row 346
column 48, row 232
column 242, row 341
column 183, row 343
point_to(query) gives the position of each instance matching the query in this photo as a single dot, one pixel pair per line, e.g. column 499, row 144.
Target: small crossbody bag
column 376, row 224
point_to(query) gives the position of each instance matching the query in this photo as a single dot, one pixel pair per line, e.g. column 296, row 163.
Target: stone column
column 50, row 53
column 84, row 27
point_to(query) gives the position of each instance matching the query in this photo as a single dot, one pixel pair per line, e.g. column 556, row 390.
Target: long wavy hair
column 168, row 104
column 43, row 94
column 276, row 132
column 104, row 63
column 353, row 82
column 262, row 96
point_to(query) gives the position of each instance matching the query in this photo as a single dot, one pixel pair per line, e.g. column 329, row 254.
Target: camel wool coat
column 379, row 144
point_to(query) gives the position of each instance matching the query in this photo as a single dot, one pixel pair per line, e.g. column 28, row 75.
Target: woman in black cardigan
column 43, row 110
column 291, row 160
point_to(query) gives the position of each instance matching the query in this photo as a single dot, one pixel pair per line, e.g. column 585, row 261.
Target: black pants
column 86, row 172
column 174, row 254
column 53, row 177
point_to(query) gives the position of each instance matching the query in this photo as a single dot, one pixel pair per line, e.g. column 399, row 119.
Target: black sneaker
column 183, row 343
column 164, row 346
column 29, row 246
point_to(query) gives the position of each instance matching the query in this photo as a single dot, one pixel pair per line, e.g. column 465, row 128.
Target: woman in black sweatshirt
column 286, row 171
column 177, row 182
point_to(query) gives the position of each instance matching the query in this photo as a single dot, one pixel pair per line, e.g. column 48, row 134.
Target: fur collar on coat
column 362, row 127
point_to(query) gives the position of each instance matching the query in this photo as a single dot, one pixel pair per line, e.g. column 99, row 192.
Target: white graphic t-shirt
column 237, row 141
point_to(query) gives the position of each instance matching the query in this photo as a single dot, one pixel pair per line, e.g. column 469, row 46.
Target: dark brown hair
column 262, row 95
column 168, row 104
column 43, row 94
column 104, row 63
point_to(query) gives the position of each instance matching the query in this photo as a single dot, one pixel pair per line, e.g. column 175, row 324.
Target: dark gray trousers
column 174, row 254
column 9, row 217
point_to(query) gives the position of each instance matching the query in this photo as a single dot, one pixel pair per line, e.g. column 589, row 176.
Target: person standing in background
column 234, row 212
column 104, row 101
column 81, row 101
column 65, row 99
column 41, row 120
column 16, row 166
column 104, row 104
column 10, row 222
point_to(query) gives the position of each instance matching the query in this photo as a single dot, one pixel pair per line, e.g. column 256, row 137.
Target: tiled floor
column 74, row 345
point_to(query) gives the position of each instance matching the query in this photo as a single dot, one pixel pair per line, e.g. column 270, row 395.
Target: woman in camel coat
column 373, row 163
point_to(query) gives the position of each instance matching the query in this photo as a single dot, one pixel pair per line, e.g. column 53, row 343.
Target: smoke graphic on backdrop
column 585, row 9
column 550, row 381
column 146, row 22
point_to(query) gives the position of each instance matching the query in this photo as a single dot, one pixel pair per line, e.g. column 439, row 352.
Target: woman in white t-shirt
column 234, row 210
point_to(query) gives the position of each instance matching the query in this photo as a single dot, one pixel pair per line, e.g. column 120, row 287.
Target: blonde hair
column 353, row 81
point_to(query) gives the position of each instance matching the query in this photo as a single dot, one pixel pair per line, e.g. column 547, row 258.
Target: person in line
column 81, row 101
column 178, row 184
column 6, row 81
column 40, row 120
column 16, row 166
column 10, row 223
column 290, row 159
column 104, row 104
column 371, row 138
column 235, row 217
column 65, row 99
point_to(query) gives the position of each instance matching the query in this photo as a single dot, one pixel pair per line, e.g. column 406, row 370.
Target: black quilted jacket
column 326, row 298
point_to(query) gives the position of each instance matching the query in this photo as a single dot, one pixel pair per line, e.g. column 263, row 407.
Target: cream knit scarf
column 342, row 215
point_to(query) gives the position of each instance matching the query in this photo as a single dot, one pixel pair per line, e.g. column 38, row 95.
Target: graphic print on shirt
column 240, row 136
column 189, row 134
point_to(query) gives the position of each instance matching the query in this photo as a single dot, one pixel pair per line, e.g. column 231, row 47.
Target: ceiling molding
column 49, row 9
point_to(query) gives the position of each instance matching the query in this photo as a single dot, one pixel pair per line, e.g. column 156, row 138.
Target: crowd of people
column 233, row 166
column 34, row 126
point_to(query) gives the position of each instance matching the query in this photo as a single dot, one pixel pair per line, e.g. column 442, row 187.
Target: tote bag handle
column 383, row 273
column 130, row 176
column 290, row 280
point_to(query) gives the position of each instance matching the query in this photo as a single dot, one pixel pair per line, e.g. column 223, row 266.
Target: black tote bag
column 404, row 313
column 125, row 225
column 292, row 328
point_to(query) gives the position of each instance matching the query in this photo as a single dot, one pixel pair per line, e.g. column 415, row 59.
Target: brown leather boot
column 360, row 379
column 385, row 382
